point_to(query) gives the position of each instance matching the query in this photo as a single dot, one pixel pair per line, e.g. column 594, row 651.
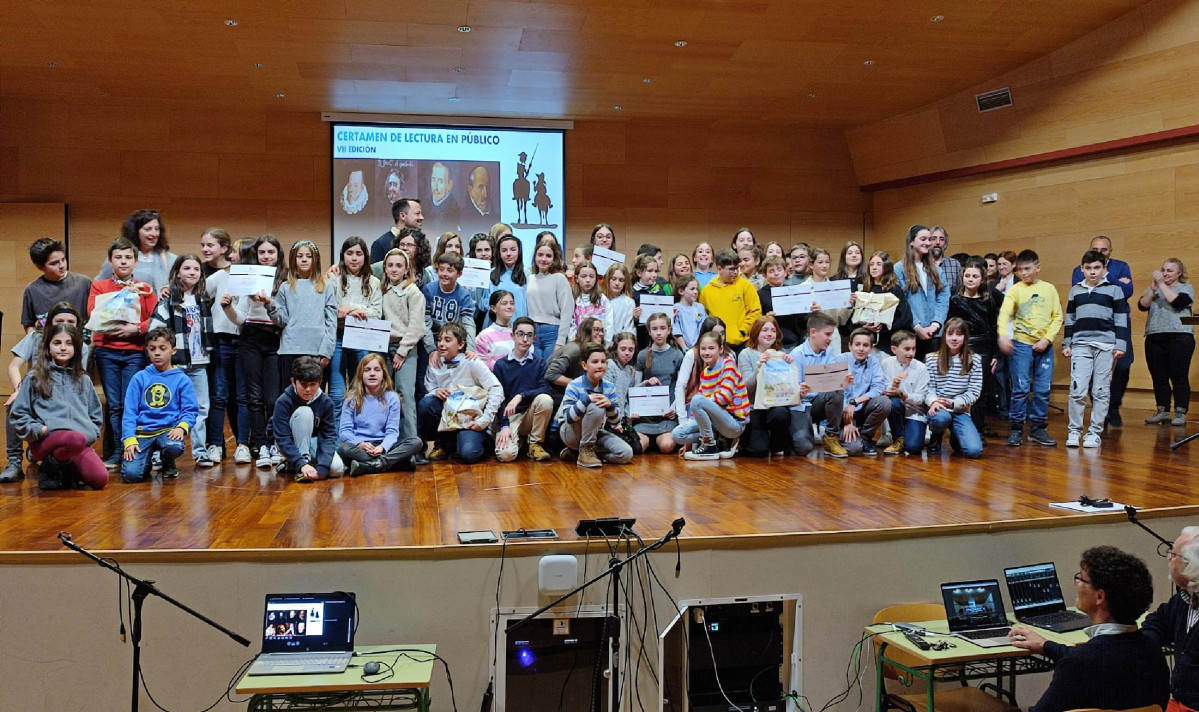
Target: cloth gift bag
column 464, row 406
column 115, row 309
column 778, row 383
column 875, row 308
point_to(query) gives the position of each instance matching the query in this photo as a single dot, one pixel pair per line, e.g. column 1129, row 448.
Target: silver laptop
column 1037, row 599
column 306, row 633
column 975, row 612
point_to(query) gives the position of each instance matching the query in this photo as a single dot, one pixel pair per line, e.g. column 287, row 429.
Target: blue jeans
column 303, row 421
column 469, row 444
column 342, row 368
column 135, row 470
column 225, row 379
column 117, row 368
column 963, row 428
column 547, row 336
column 707, row 419
column 198, row 375
column 1030, row 371
column 911, row 429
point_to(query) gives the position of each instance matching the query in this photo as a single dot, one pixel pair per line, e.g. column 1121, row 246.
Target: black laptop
column 1037, row 599
column 975, row 612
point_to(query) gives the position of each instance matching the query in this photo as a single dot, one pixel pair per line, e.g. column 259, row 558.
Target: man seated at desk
column 1119, row 667
column 1173, row 623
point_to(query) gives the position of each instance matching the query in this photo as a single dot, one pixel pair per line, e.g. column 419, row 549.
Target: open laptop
column 306, row 633
column 1037, row 599
column 975, row 612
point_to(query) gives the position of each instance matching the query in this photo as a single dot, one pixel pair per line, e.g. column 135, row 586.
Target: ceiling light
column 231, row 23
column 681, row 43
column 257, row 65
column 647, row 80
column 868, row 63
column 459, row 70
column 936, row 18
column 464, row 28
column 618, row 107
column 51, row 64
column 455, row 99
column 812, row 95
column 280, row 95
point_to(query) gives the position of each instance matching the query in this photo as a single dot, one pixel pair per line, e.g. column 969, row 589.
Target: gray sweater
column 308, row 319
column 72, row 405
column 1164, row 318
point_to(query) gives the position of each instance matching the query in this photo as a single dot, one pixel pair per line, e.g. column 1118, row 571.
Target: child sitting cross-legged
column 449, row 372
column 370, row 423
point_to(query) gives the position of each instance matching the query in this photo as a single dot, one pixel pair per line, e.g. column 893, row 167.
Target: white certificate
column 654, row 304
column 603, row 258
column 649, row 401
column 833, row 294
column 250, row 279
column 795, row 299
column 476, row 274
column 366, row 334
column 823, row 378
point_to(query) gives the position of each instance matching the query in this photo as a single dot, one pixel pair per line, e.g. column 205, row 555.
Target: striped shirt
column 724, row 385
column 574, row 404
column 1097, row 316
column 961, row 389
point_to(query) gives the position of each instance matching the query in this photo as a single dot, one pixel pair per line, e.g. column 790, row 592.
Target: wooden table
column 407, row 688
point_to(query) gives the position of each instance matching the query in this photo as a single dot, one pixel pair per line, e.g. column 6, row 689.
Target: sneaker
column 896, row 447
column 538, row 453
column 885, row 441
column 1041, row 437
column 241, row 455
column 1161, row 416
column 731, row 450
column 868, row 447
column 216, row 453
column 438, row 454
column 1091, row 440
column 130, row 480
column 113, row 463
column 934, row 444
column 276, row 456
column 49, row 477
column 1073, row 438
column 1016, row 438
column 1180, row 418
column 588, row 458
column 264, row 457
column 567, row 455
column 12, row 473
column 169, row 470
column 204, row 460
column 703, row 451
column 156, row 461
column 420, row 459
column 833, row 447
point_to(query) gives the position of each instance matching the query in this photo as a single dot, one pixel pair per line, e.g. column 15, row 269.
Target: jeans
column 226, row 379
column 707, row 418
column 259, row 350
column 1168, row 356
column 1090, row 370
column 135, row 470
column 302, row 422
column 342, row 369
column 198, row 375
column 590, row 430
column 405, row 384
column 911, row 429
column 547, row 336
column 825, row 406
column 1031, row 371
column 117, row 368
column 469, row 444
column 964, row 432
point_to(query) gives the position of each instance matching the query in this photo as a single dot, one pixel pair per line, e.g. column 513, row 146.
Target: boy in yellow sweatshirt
column 1031, row 312
column 733, row 298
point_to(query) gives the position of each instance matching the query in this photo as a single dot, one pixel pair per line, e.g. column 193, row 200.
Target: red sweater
column 725, row 386
column 148, row 302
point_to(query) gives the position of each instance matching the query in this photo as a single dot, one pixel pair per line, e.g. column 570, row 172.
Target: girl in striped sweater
column 955, row 383
column 718, row 402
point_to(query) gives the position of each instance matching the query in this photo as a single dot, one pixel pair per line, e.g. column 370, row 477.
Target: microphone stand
column 1132, row 517
column 141, row 590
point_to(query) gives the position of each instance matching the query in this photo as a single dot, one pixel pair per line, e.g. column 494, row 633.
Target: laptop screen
column 308, row 622
column 970, row 605
column 1033, row 588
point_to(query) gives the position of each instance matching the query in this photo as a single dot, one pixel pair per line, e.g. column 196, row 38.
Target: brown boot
column 588, row 458
column 895, row 447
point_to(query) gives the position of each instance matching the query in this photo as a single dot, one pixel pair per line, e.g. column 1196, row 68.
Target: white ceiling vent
column 992, row 100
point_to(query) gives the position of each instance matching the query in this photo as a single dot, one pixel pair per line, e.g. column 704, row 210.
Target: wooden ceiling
column 798, row 61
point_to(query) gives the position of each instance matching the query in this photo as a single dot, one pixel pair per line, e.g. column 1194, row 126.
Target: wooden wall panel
column 20, row 225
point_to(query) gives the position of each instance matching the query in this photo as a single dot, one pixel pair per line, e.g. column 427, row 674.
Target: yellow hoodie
column 736, row 304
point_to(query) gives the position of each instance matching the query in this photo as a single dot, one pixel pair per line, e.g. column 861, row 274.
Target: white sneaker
column 1091, row 440
column 156, row 460
column 276, row 456
column 264, row 457
column 214, row 453
column 1072, row 438
column 242, row 455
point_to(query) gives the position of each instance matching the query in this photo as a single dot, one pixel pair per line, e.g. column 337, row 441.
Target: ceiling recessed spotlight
column 647, row 80
column 280, row 95
column 231, row 23
column 51, row 64
column 765, row 118
column 868, row 63
column 464, row 28
column 936, row 18
column 618, row 107
column 681, row 43
column 455, row 99
column 459, row 70
column 258, row 65
column 812, row 95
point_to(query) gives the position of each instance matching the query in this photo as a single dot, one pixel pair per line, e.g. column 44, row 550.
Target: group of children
column 539, row 362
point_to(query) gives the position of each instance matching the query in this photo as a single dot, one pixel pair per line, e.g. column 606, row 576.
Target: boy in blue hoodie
column 304, row 426
column 160, row 409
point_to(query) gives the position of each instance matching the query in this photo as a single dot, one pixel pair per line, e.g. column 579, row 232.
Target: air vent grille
column 992, row 100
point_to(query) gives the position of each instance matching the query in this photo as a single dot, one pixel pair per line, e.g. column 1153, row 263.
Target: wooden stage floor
column 238, row 511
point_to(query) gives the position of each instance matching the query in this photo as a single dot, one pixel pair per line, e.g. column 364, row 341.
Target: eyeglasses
column 1078, row 577
column 522, row 335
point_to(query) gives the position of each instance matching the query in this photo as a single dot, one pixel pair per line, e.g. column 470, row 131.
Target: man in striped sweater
column 1097, row 335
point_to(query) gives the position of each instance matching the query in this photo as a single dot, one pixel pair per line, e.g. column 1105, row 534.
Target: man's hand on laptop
column 1024, row 637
